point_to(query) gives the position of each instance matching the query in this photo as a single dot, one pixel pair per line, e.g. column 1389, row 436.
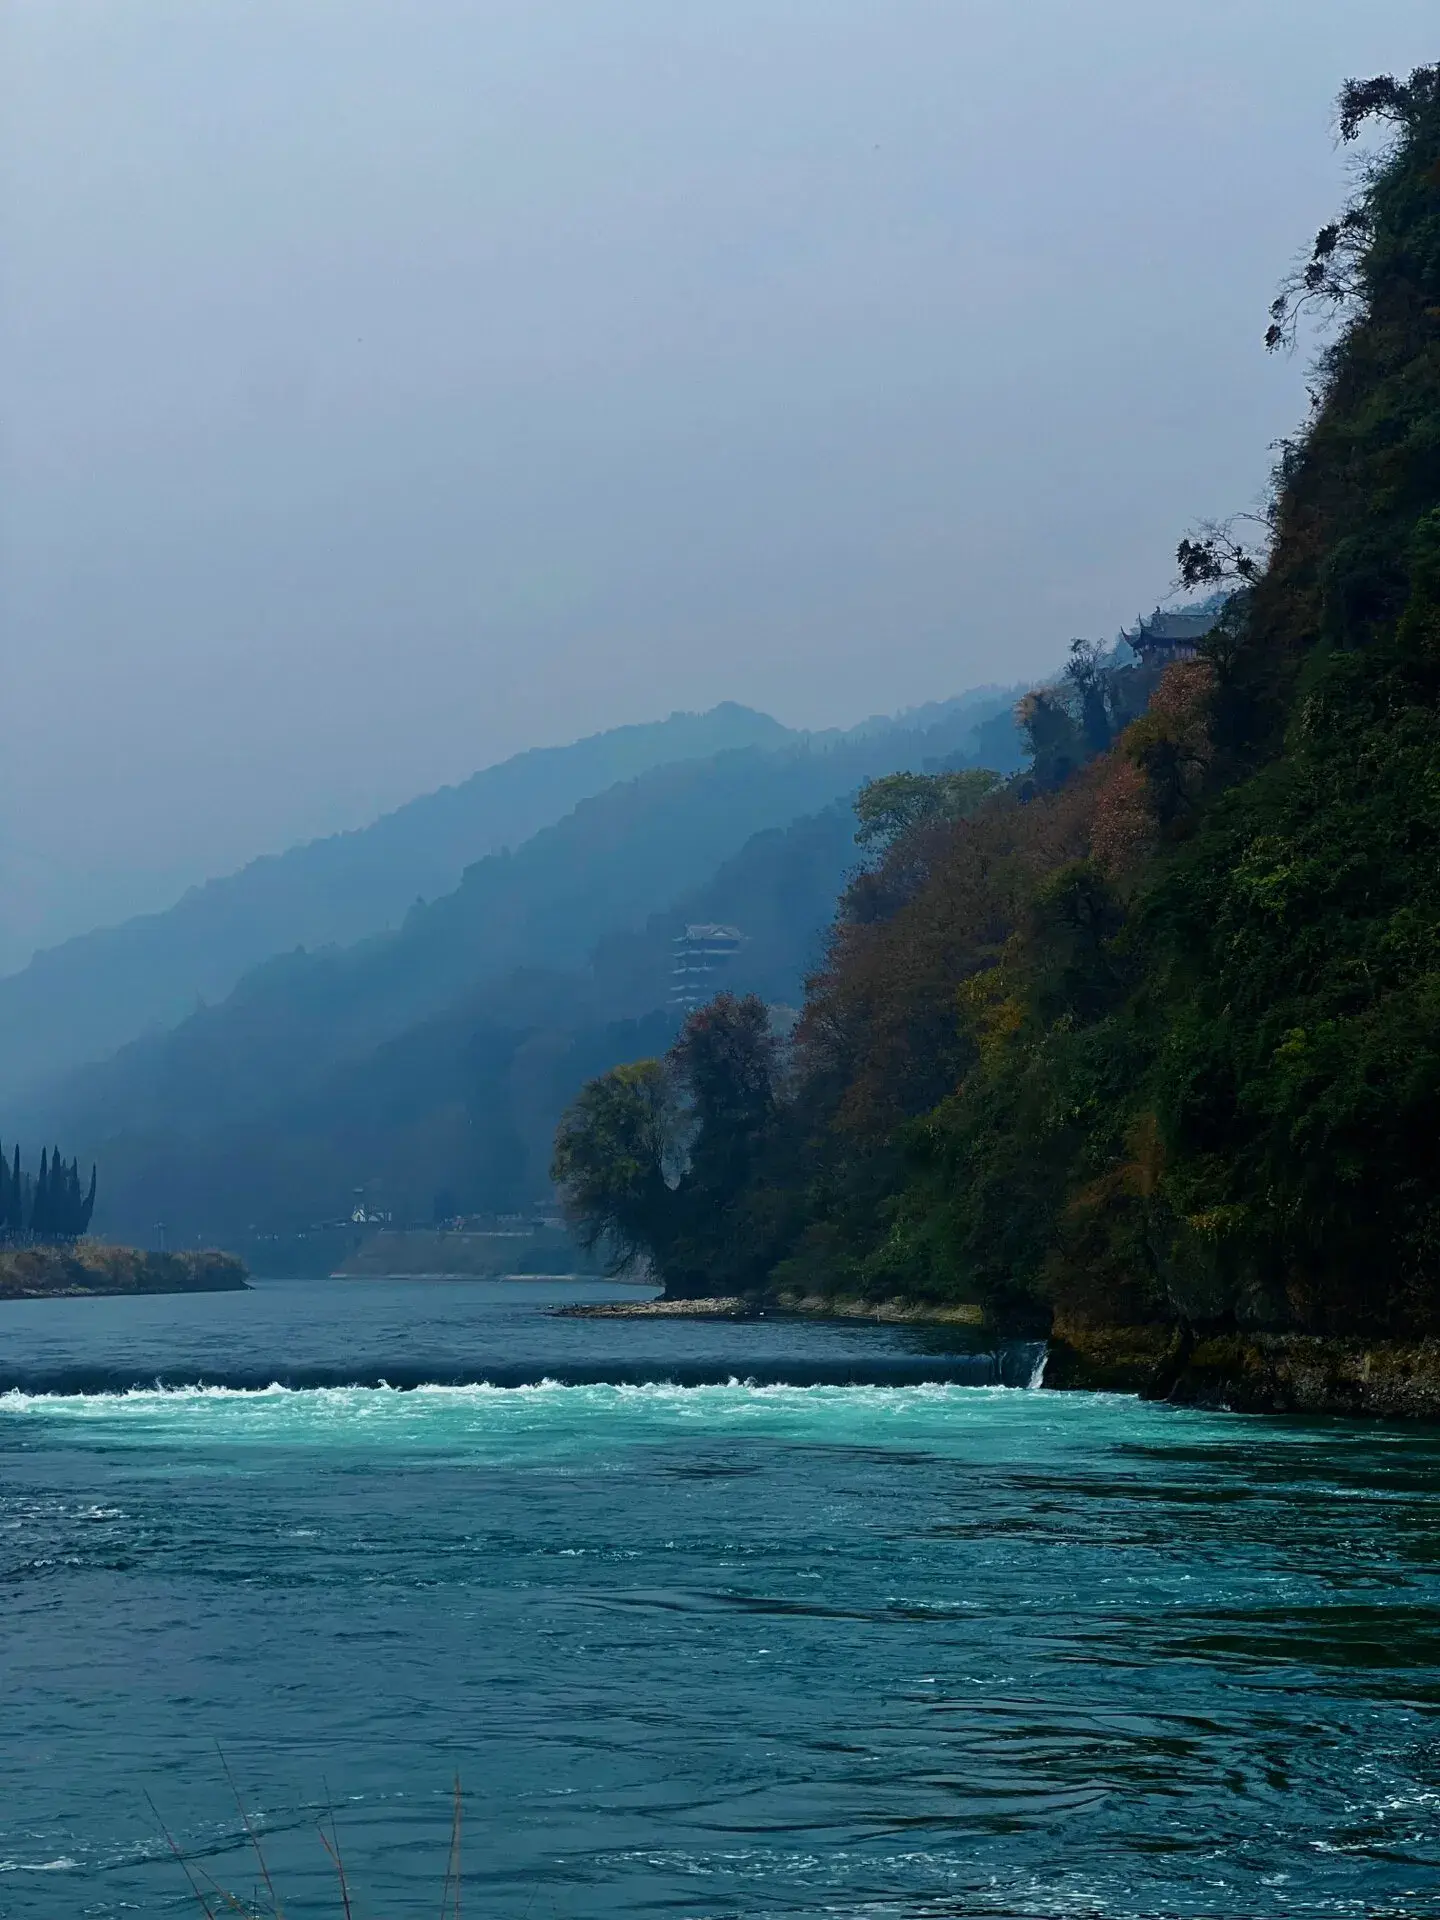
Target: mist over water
column 712, row 1649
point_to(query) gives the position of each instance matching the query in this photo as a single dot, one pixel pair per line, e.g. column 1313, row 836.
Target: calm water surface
column 823, row 1648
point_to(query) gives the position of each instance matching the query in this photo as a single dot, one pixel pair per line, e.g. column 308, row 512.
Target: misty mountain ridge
column 465, row 1102
column 78, row 1003
column 82, row 1000
column 606, row 877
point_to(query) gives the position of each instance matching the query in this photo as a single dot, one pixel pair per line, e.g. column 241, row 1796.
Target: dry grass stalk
column 207, row 1889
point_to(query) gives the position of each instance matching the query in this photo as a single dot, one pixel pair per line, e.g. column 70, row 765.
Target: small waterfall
column 1020, row 1363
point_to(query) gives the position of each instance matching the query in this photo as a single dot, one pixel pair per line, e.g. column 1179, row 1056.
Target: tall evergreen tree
column 40, row 1200
column 54, row 1205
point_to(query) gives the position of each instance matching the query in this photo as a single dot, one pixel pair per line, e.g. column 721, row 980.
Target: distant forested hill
column 464, row 1104
column 80, row 1001
column 437, row 1057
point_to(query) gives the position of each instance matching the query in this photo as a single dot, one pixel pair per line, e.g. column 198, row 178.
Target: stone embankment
column 90, row 1267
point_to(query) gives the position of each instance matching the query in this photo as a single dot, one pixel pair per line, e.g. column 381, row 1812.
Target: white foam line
column 17, row 1399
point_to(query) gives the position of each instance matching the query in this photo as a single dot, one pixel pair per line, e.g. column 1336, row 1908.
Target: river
column 711, row 1619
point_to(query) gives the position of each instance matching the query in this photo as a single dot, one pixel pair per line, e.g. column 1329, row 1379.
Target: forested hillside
column 437, row 1058
column 81, row 1001
column 1152, row 1035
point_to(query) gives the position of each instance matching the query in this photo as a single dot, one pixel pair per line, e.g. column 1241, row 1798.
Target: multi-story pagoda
column 1172, row 635
column 702, row 955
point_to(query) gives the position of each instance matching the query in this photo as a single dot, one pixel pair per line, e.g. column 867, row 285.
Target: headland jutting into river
column 90, row 1268
column 1138, row 1050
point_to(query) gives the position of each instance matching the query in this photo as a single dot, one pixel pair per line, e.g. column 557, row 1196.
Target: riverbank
column 92, row 1268
column 896, row 1312
column 810, row 1306
column 1276, row 1373
column 1284, row 1373
column 1280, row 1373
column 731, row 1307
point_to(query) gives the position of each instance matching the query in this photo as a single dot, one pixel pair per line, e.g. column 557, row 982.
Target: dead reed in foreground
column 216, row 1901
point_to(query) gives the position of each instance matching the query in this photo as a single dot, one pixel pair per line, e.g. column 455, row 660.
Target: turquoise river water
column 772, row 1619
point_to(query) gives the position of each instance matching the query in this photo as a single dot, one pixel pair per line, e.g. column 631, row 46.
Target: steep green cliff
column 1150, row 1038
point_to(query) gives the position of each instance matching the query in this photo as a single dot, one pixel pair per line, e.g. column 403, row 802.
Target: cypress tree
column 59, row 1207
column 40, row 1203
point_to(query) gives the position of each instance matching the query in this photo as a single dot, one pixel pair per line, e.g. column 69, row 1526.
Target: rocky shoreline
column 890, row 1313
column 777, row 1306
column 90, row 1269
column 1284, row 1373
column 1276, row 1373
column 731, row 1307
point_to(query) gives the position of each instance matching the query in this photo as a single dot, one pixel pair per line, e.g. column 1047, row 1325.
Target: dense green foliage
column 652, row 1154
column 898, row 803
column 1155, row 1032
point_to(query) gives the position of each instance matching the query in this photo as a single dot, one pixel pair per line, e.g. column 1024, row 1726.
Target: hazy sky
column 392, row 384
